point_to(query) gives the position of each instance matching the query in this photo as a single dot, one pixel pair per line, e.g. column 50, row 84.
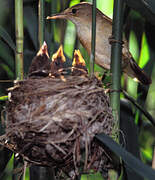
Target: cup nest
column 52, row 121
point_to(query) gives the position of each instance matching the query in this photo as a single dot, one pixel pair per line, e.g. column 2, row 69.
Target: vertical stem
column 53, row 11
column 116, row 55
column 93, row 40
column 41, row 22
column 153, row 159
column 19, row 38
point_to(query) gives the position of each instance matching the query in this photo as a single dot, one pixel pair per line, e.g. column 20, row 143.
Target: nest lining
column 51, row 121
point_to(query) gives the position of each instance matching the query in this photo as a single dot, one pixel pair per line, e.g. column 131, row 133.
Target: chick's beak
column 43, row 50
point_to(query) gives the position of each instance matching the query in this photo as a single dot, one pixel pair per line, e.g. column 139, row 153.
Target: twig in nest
column 6, row 81
column 66, row 138
column 78, row 155
column 19, row 171
column 57, row 147
column 74, row 156
column 46, row 126
column 93, row 119
column 2, row 117
column 92, row 160
column 86, row 151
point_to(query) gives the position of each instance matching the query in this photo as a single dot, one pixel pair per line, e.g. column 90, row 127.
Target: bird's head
column 78, row 13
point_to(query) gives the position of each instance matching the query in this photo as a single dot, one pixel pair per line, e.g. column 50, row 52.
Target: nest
column 52, row 118
column 52, row 121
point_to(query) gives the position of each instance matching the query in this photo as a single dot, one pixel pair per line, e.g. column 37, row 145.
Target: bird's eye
column 74, row 11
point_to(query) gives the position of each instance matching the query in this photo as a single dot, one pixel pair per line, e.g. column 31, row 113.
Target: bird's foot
column 114, row 90
column 112, row 39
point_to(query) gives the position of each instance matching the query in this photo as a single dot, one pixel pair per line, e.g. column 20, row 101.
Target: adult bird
column 81, row 16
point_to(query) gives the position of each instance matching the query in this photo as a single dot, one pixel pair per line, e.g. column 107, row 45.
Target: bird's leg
column 109, row 91
column 106, row 78
column 106, row 73
column 112, row 39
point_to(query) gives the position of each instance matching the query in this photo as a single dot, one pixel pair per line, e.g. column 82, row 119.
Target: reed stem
column 19, row 38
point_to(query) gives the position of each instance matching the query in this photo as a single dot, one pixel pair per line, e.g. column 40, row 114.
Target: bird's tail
column 134, row 71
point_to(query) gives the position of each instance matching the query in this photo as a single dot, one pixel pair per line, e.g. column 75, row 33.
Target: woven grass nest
column 52, row 119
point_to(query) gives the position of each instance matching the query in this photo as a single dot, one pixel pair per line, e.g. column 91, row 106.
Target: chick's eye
column 74, row 11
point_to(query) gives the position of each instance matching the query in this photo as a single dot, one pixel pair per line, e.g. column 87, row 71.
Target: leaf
column 6, row 55
column 28, row 56
column 28, row 1
column 3, row 98
column 96, row 176
column 7, row 70
column 31, row 22
column 145, row 7
column 6, row 37
column 5, row 156
column 129, row 135
column 132, row 162
column 150, row 4
column 149, row 68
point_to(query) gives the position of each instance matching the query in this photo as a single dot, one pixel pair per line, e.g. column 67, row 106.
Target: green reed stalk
column 19, row 38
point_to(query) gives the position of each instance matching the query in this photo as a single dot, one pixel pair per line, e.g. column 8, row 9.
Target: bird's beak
column 57, row 16
column 43, row 50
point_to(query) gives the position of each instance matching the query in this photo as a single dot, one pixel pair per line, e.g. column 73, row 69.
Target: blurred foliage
column 63, row 32
column 97, row 176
